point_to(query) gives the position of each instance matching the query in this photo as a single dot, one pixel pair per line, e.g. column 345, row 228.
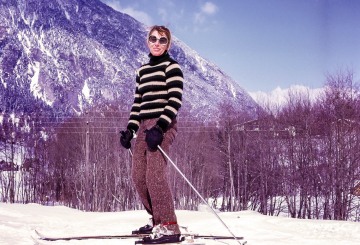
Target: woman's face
column 157, row 43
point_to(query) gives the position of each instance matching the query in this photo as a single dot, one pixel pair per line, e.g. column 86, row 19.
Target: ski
column 215, row 237
column 43, row 237
column 175, row 243
column 193, row 239
column 201, row 240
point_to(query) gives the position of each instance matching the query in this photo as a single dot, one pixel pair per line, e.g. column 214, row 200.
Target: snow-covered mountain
column 66, row 55
column 279, row 97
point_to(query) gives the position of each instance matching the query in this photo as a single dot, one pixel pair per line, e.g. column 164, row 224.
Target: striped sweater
column 158, row 93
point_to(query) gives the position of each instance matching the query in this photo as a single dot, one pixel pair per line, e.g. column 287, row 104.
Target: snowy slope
column 17, row 222
column 68, row 55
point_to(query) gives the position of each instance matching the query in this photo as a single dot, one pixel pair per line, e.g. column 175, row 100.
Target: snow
column 18, row 221
column 233, row 90
column 35, row 87
column 280, row 96
column 86, row 91
column 67, row 15
column 3, row 81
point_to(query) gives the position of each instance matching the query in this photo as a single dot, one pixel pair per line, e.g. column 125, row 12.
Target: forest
column 301, row 159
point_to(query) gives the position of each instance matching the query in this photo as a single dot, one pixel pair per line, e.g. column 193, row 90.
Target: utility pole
column 12, row 171
column 87, row 166
column 232, row 188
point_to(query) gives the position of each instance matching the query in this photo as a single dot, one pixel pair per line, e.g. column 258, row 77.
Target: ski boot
column 146, row 229
column 160, row 235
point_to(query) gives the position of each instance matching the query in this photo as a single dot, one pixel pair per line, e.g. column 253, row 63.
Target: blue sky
column 262, row 44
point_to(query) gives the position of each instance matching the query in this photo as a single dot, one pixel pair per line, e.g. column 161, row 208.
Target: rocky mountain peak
column 64, row 56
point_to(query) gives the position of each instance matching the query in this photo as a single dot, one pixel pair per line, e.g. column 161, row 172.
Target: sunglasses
column 162, row 40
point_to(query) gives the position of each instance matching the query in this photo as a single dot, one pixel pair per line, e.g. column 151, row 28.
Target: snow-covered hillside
column 69, row 55
column 17, row 222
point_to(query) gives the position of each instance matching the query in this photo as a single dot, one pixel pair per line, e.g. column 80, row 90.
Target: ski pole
column 186, row 179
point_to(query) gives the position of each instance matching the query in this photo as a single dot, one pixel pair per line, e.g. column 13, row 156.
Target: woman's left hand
column 154, row 137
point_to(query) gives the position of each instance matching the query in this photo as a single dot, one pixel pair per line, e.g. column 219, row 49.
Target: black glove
column 125, row 138
column 154, row 137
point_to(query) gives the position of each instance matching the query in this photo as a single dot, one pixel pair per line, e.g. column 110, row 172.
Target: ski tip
column 38, row 233
column 37, row 240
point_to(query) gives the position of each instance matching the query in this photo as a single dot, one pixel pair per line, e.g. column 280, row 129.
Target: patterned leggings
column 150, row 176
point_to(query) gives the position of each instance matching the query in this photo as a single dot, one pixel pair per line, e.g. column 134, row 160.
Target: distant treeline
column 302, row 158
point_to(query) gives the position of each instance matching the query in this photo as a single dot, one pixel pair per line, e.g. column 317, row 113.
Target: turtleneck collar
column 154, row 60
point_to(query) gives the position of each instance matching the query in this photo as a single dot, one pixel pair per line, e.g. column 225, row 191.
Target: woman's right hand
column 125, row 138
